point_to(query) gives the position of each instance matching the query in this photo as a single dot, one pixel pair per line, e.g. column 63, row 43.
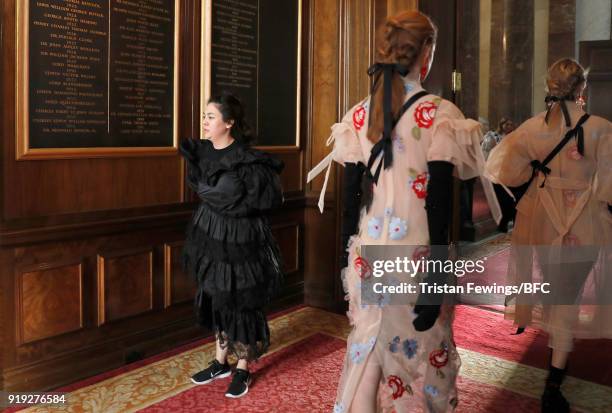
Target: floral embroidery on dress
column 425, row 113
column 573, row 153
column 569, row 197
column 375, row 227
column 571, row 240
column 359, row 351
column 362, row 267
column 398, row 388
column 410, row 348
column 439, row 358
column 398, row 142
column 394, row 344
column 339, row 407
column 359, row 116
column 418, row 183
column 397, row 228
column 421, row 252
column 388, row 211
column 431, row 390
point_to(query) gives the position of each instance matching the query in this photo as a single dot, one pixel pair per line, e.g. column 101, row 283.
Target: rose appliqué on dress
column 569, row 197
column 375, row 226
column 362, row 267
column 425, row 113
column 424, row 116
column 571, row 240
column 422, row 251
column 418, row 183
column 439, row 358
column 359, row 117
column 573, row 153
column 397, row 228
column 397, row 386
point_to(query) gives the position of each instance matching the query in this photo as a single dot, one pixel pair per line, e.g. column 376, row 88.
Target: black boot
column 552, row 398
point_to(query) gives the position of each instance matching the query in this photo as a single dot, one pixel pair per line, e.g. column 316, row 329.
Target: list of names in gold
column 67, row 68
column 234, row 44
column 141, row 67
column 101, row 73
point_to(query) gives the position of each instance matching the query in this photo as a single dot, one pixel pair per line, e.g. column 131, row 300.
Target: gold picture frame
column 23, row 149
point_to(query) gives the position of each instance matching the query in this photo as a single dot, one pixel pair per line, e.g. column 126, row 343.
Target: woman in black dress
column 229, row 247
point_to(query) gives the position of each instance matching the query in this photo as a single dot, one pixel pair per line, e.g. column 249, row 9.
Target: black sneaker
column 239, row 385
column 553, row 401
column 214, row 371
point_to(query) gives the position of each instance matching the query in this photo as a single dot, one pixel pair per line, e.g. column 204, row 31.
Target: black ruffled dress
column 229, row 247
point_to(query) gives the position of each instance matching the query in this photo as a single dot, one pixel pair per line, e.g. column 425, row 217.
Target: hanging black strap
column 385, row 145
column 550, row 100
column 577, row 132
column 408, row 104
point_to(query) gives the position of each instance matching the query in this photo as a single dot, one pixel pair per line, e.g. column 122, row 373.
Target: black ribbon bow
column 539, row 166
column 385, row 144
column 576, row 132
column 550, row 100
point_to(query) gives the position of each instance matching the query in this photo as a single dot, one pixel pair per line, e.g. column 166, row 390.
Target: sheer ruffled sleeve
column 509, row 162
column 603, row 186
column 346, row 149
column 345, row 138
column 456, row 140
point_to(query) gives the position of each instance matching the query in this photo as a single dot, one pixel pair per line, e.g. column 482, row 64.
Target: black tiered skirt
column 236, row 262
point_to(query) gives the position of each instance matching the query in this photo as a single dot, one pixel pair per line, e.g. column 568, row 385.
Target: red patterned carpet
column 500, row 372
column 303, row 377
column 299, row 378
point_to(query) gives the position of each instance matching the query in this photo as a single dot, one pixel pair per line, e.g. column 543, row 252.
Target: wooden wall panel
column 324, row 88
column 396, row 6
column 358, row 52
column 292, row 177
column 50, row 301
column 288, row 237
column 179, row 287
column 125, row 285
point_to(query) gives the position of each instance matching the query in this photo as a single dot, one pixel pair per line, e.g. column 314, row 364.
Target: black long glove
column 438, row 204
column 351, row 197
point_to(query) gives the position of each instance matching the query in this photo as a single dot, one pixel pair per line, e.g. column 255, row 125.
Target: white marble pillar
column 540, row 56
column 592, row 20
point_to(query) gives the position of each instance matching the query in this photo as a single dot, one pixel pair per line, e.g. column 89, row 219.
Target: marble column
column 562, row 29
column 593, row 21
column 484, row 64
column 541, row 43
column 511, row 60
column 468, row 57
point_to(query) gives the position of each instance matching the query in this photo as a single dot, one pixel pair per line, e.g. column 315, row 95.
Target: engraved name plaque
column 97, row 78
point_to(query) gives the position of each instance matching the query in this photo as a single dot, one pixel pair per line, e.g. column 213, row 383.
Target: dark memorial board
column 254, row 55
column 101, row 74
column 234, row 52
